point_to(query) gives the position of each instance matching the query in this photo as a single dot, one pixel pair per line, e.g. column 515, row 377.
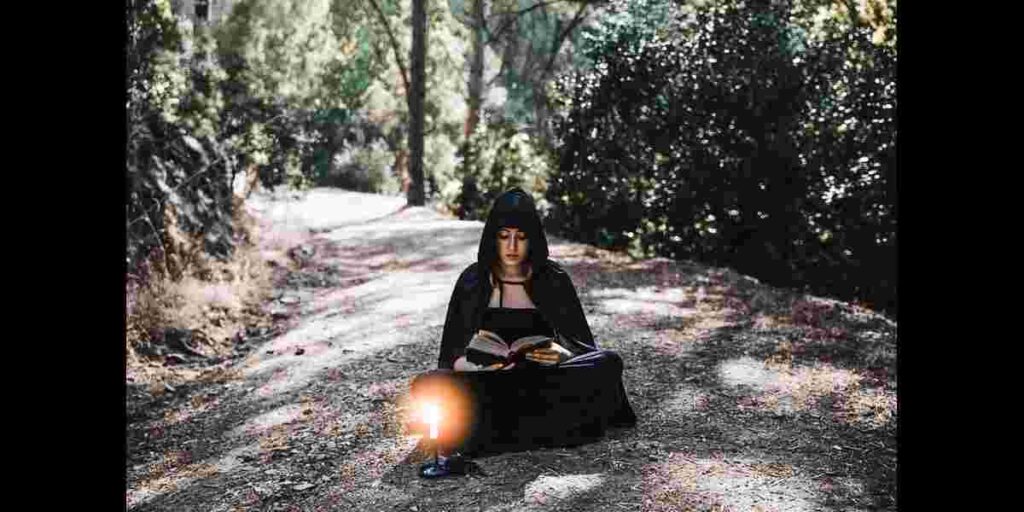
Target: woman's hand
column 462, row 365
column 549, row 356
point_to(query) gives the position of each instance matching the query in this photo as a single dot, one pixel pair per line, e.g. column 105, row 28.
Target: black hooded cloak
column 508, row 410
column 550, row 287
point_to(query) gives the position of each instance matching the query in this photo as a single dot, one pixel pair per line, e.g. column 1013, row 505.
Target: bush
column 365, row 169
column 179, row 170
column 497, row 158
column 737, row 139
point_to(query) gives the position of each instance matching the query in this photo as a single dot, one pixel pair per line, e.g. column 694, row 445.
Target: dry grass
column 188, row 290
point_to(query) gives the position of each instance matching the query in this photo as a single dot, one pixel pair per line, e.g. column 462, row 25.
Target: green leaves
column 758, row 132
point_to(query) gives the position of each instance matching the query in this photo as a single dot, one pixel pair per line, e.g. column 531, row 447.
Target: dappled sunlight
column 271, row 434
column 688, row 482
column 266, row 422
column 395, row 320
column 551, row 490
column 667, row 302
column 777, row 386
column 366, row 466
column 686, row 399
column 322, row 208
column 691, row 330
column 297, row 371
column 746, row 371
column 671, row 320
column 197, row 406
column 764, row 323
column 173, row 472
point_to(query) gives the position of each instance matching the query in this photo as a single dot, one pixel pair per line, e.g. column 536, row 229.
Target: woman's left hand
column 549, row 356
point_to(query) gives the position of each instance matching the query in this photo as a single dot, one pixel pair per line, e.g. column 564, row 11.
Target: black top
column 551, row 291
column 514, row 323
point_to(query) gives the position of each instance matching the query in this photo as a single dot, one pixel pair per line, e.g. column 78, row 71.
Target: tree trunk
column 476, row 69
column 415, row 196
column 402, row 169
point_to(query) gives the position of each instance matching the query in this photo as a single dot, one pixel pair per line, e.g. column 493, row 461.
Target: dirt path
column 749, row 397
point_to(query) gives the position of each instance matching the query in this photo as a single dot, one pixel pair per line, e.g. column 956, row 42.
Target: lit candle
column 432, row 415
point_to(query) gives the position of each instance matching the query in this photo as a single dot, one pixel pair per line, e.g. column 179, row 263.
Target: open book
column 487, row 348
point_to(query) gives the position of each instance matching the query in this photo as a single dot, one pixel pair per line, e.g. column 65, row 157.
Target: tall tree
column 418, row 57
column 476, row 67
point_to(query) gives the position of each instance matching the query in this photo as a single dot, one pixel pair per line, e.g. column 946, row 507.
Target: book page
column 528, row 343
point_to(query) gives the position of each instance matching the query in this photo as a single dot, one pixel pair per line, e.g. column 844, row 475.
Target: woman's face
column 512, row 246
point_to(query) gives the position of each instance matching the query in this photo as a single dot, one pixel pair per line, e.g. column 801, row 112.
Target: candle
column 432, row 415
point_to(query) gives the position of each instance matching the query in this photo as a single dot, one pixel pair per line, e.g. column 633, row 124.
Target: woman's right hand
column 462, row 365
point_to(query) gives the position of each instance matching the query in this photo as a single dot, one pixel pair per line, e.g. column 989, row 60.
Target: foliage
column 178, row 168
column 365, row 168
column 296, row 70
column 737, row 138
column 497, row 158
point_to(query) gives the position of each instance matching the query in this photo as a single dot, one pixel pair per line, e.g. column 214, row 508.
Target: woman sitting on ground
column 568, row 391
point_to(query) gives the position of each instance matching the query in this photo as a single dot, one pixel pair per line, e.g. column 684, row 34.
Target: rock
column 169, row 388
column 303, row 486
column 289, row 299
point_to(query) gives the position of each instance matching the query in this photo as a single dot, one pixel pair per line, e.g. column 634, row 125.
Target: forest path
column 748, row 397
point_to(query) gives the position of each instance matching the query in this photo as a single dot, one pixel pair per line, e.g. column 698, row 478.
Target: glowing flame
column 432, row 415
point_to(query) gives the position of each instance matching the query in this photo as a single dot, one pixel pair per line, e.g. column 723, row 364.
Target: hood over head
column 514, row 208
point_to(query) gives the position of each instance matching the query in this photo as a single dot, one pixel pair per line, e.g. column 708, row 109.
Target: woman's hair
column 513, row 209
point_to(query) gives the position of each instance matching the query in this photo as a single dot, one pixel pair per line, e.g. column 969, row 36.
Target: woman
column 566, row 393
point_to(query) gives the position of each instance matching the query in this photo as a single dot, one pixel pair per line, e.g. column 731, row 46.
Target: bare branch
column 394, row 44
column 514, row 16
column 576, row 20
column 528, row 9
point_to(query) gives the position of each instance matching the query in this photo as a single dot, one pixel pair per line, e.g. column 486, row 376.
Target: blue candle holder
column 439, row 467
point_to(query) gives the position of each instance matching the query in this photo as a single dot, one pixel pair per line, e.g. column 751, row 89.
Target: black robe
column 564, row 405
column 552, row 292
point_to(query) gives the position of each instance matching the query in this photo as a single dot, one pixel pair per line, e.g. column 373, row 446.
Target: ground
column 748, row 397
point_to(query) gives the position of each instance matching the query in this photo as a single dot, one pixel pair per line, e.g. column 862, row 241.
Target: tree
column 416, row 95
column 476, row 67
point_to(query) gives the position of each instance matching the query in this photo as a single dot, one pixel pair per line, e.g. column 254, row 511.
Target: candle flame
column 432, row 415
